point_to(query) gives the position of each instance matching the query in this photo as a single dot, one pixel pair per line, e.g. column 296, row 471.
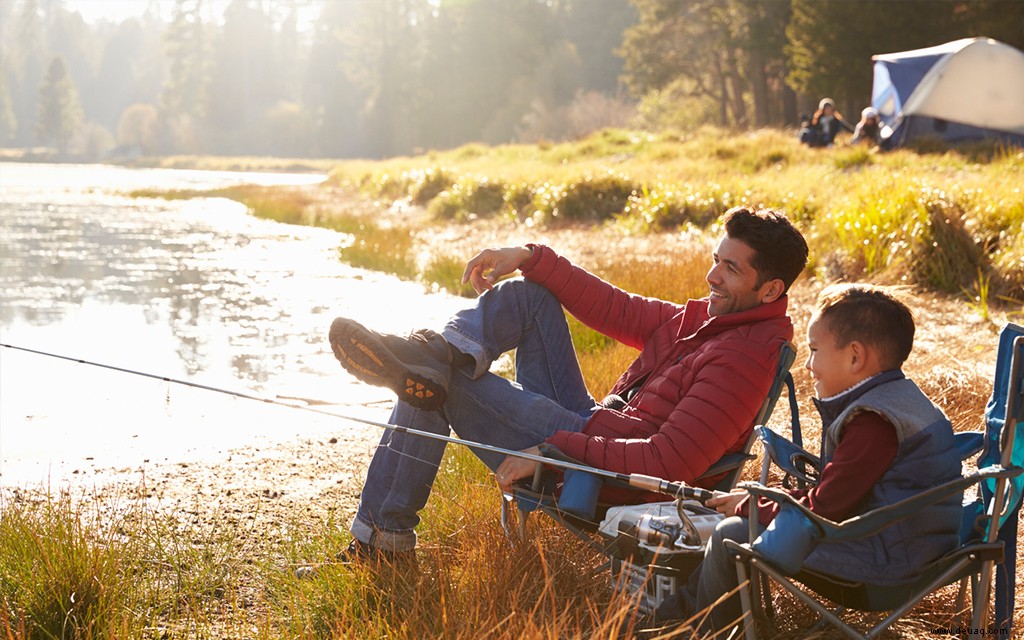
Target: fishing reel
column 664, row 531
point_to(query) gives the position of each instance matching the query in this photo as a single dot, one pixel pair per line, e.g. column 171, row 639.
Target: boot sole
column 364, row 356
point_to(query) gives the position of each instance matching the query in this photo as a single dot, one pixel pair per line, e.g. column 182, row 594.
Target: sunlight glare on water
column 194, row 289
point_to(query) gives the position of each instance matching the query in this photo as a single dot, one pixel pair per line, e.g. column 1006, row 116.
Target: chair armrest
column 728, row 462
column 791, row 459
column 871, row 522
column 969, row 443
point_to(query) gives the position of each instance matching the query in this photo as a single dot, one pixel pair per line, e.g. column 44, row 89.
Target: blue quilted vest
column 926, row 456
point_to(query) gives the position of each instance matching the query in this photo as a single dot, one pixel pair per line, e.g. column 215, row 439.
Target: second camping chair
column 988, row 542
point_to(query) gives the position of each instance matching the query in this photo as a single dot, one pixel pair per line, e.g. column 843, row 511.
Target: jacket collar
column 830, row 408
column 701, row 321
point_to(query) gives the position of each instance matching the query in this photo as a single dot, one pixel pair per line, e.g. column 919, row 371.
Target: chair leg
column 961, row 594
column 980, row 596
column 767, row 606
column 745, row 599
column 509, row 513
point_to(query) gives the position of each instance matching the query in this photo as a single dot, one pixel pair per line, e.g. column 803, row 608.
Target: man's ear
column 772, row 290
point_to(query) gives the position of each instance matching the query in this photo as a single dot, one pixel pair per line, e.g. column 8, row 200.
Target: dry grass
column 867, row 217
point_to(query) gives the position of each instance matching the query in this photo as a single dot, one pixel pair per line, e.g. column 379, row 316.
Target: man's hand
column 488, row 266
column 726, row 504
column 513, row 468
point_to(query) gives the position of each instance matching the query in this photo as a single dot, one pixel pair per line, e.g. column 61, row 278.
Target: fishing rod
column 635, row 480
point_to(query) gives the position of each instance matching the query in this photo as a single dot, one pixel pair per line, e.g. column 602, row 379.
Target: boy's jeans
column 548, row 395
column 716, row 576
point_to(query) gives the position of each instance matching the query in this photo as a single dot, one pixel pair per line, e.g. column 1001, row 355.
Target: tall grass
column 638, row 209
column 929, row 219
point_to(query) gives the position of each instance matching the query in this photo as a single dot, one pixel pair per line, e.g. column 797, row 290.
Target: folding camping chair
column 615, row 535
column 988, row 538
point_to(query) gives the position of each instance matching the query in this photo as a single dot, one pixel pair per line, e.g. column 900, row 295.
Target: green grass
column 82, row 567
column 933, row 218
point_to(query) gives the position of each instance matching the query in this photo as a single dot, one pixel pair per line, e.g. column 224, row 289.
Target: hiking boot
column 416, row 368
column 361, row 553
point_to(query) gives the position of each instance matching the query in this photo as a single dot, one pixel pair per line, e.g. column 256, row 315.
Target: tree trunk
column 739, row 107
column 723, row 94
column 759, row 87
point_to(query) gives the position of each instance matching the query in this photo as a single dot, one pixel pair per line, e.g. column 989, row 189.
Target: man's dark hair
column 870, row 315
column 780, row 251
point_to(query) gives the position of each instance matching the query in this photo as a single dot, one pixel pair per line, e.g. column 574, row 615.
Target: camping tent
column 963, row 90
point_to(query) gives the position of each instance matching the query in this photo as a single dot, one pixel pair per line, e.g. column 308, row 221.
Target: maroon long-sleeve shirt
column 865, row 451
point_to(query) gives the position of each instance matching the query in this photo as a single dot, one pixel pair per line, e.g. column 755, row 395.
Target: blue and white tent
column 969, row 89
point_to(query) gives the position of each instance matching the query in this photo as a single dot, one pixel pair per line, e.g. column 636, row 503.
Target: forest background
column 362, row 79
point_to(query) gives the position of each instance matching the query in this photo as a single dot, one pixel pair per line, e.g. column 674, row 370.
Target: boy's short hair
column 780, row 250
column 871, row 315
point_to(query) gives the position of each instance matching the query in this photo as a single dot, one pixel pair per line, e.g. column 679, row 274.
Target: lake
column 198, row 290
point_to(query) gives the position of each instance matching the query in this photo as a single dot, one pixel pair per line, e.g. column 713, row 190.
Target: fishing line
column 638, row 481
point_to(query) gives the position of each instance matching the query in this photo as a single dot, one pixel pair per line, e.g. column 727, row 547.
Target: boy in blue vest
column 884, row 441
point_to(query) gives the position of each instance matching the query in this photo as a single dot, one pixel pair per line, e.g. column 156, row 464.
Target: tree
column 137, row 128
column 25, row 54
column 184, row 92
column 243, row 77
column 130, row 70
column 831, row 41
column 8, row 121
column 60, row 112
column 594, row 27
column 710, row 51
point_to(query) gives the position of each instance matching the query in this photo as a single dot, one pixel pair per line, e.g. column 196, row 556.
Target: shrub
column 945, row 256
column 519, row 200
column 387, row 249
column 469, row 198
column 445, row 272
column 426, row 184
column 664, row 207
column 588, row 200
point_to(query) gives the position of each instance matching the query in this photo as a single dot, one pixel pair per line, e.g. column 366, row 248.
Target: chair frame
column 731, row 464
column 972, row 560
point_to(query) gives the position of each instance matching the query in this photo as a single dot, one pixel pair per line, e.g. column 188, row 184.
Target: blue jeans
column 548, row 395
column 716, row 576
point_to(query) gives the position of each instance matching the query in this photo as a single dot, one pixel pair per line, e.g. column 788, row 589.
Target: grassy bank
column 637, row 209
column 946, row 221
column 950, row 221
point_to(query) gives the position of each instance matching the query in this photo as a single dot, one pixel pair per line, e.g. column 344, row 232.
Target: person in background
column 824, row 125
column 869, row 129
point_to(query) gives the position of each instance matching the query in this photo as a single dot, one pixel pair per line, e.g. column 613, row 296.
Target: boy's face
column 733, row 279
column 830, row 365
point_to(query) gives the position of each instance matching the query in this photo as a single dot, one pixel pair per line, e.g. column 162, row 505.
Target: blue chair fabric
column 986, row 542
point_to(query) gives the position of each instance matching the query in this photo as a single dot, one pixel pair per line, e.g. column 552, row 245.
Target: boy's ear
column 858, row 356
column 772, row 290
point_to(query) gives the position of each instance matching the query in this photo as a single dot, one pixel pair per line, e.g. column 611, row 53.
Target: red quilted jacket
column 703, row 379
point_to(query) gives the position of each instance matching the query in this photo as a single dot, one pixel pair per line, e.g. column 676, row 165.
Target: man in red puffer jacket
column 690, row 397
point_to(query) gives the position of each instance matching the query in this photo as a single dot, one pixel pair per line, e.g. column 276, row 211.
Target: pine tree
column 8, row 121
column 59, row 110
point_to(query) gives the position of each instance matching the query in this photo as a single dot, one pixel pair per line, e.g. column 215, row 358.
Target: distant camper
column 820, row 129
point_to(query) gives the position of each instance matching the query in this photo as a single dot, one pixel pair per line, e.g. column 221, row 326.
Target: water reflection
column 196, row 289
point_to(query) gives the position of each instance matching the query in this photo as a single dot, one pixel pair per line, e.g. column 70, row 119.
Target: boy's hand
column 488, row 266
column 726, row 504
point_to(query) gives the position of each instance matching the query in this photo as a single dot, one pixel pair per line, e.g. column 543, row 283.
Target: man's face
column 732, row 279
